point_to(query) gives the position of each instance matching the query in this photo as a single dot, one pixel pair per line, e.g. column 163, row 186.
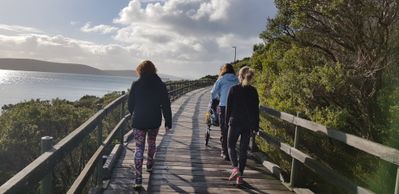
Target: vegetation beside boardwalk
column 335, row 63
column 23, row 124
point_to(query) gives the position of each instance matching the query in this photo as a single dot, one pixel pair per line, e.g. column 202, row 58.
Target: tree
column 356, row 34
column 333, row 62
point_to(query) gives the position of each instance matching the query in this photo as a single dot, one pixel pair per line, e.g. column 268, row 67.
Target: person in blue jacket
column 220, row 91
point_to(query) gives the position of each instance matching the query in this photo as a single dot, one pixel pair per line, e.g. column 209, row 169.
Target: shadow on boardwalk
column 183, row 164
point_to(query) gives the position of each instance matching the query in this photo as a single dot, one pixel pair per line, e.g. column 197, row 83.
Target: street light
column 235, row 53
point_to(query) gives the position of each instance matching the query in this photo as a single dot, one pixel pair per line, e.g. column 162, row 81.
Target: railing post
column 180, row 88
column 122, row 131
column 295, row 163
column 122, row 108
column 181, row 91
column 46, row 184
column 254, row 147
column 397, row 182
column 99, row 163
column 186, row 87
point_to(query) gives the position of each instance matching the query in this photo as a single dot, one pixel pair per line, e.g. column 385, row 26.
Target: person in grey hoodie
column 220, row 91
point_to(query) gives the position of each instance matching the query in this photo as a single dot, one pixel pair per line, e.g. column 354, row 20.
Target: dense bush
column 334, row 62
column 23, row 124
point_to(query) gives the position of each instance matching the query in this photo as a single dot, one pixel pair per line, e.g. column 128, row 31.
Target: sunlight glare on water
column 5, row 76
column 18, row 86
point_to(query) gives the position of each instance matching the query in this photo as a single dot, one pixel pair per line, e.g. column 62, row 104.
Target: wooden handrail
column 383, row 152
column 118, row 101
column 317, row 167
column 80, row 182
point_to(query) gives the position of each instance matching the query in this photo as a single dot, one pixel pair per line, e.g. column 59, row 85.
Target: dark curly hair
column 146, row 68
column 227, row 68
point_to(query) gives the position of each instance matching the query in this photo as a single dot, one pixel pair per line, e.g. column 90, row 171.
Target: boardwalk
column 183, row 164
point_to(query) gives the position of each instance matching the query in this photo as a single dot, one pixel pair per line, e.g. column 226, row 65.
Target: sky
column 186, row 38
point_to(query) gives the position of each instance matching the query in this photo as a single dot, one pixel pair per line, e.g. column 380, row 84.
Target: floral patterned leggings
column 139, row 137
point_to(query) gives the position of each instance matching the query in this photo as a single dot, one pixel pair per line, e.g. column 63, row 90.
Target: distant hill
column 126, row 73
column 45, row 66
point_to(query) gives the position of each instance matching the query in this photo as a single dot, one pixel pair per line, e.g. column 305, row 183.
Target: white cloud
column 17, row 29
column 213, row 10
column 201, row 16
column 63, row 49
column 103, row 29
column 73, row 23
column 194, row 31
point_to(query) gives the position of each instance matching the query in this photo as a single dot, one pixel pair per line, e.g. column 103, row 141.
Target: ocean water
column 18, row 86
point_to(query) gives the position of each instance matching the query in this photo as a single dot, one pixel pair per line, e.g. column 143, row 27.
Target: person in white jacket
column 220, row 91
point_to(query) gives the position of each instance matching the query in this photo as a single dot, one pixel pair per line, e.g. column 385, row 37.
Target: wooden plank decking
column 183, row 164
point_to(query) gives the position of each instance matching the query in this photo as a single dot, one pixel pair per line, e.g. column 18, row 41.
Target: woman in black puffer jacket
column 148, row 101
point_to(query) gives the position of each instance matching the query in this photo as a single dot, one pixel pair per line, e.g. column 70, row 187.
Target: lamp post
column 235, row 53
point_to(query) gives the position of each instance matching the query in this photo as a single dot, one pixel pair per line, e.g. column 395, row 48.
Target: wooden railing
column 383, row 152
column 40, row 170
